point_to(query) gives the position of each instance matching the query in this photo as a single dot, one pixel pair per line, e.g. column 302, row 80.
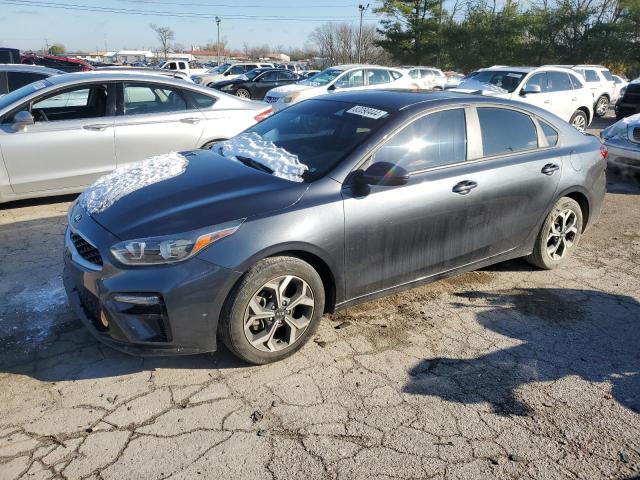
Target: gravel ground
column 507, row 372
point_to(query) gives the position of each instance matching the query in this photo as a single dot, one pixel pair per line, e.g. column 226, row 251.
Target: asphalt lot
column 507, row 372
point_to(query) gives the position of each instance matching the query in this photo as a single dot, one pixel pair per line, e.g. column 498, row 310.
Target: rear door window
column 607, row 74
column 575, row 82
column 559, row 81
column 591, row 76
column 550, row 133
column 431, row 141
column 506, row 131
column 140, row 99
column 378, row 76
column 201, row 100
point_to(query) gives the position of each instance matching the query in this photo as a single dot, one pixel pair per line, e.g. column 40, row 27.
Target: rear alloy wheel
column 273, row 310
column 559, row 235
column 579, row 120
column 243, row 93
column 602, row 106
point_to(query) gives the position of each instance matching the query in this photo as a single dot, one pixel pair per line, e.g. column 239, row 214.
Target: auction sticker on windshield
column 367, row 112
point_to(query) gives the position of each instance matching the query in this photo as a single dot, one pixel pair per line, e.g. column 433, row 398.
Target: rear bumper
column 183, row 321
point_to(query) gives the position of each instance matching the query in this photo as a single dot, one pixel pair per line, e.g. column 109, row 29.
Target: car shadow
column 32, row 202
column 560, row 333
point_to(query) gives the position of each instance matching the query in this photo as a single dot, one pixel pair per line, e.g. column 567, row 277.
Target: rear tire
column 579, row 120
column 243, row 93
column 258, row 323
column 559, row 235
column 602, row 106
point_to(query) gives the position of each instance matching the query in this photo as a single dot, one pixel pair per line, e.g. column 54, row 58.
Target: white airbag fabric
column 125, row 180
column 251, row 145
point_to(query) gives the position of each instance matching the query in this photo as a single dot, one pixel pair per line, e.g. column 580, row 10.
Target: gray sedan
column 329, row 203
column 58, row 135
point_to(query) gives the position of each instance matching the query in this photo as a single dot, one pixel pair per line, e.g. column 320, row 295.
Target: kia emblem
column 77, row 217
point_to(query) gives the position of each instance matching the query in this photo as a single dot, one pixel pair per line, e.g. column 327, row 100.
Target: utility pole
column 218, row 43
column 362, row 9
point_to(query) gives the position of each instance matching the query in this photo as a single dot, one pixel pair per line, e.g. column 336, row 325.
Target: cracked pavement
column 507, row 372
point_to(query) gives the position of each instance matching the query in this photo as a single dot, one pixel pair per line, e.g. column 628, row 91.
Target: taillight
column 604, row 151
column 263, row 114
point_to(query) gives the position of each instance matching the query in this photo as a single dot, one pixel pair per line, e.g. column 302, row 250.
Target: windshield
column 251, row 74
column 221, row 69
column 503, row 79
column 322, row 78
column 318, row 133
column 16, row 95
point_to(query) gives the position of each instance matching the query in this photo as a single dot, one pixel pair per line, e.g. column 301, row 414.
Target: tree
column 165, row 35
column 57, row 49
column 337, row 43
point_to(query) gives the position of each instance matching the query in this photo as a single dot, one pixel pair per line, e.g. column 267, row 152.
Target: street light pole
column 362, row 9
column 218, row 44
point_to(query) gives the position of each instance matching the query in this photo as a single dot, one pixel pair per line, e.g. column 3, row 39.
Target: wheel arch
column 585, row 110
column 579, row 195
column 212, row 140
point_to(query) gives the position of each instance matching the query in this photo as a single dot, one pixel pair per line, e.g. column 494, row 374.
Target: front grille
column 636, row 134
column 270, row 99
column 86, row 250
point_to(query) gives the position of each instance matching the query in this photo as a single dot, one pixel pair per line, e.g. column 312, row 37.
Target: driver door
column 399, row 234
column 70, row 144
column 541, row 99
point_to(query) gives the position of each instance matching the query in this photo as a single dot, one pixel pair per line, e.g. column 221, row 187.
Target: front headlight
column 171, row 248
column 227, row 87
column 290, row 98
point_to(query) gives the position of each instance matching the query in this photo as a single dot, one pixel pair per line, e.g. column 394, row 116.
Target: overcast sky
column 92, row 24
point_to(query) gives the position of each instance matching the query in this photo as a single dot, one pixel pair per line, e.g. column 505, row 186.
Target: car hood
column 286, row 89
column 209, row 190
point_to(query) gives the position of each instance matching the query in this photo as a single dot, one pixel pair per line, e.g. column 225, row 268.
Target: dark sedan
column 257, row 82
column 329, row 203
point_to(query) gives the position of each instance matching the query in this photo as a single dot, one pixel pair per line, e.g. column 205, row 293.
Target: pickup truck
column 182, row 66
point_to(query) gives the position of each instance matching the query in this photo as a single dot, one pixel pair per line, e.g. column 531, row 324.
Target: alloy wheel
column 580, row 123
column 562, row 234
column 242, row 93
column 602, row 106
column 279, row 313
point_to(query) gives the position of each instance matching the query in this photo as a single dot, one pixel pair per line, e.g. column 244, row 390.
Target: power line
column 127, row 11
column 200, row 4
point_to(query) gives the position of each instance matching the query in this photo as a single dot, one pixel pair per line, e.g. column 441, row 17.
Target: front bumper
column 626, row 109
column 190, row 296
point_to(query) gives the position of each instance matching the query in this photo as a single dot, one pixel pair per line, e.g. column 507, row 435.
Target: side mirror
column 22, row 119
column 386, row 174
column 530, row 89
column 331, row 87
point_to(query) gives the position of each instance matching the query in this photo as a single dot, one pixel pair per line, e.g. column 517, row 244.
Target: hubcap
column 242, row 94
column 562, row 234
column 580, row 123
column 278, row 313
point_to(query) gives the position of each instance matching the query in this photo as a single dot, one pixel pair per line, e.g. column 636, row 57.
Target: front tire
column 273, row 310
column 559, row 235
column 602, row 106
column 579, row 120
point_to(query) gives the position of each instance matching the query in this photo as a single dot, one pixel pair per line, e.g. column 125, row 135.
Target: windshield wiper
column 250, row 162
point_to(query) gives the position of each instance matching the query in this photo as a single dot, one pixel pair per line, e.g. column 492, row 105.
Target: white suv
column 602, row 85
column 334, row 79
column 556, row 89
column 426, row 78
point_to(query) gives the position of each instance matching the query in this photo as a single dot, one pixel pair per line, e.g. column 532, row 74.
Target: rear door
column 516, row 175
column 154, row 119
column 70, row 144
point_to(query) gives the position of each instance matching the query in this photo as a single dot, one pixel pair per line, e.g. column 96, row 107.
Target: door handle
column 574, row 99
column 547, row 102
column 464, row 187
column 96, row 127
column 191, row 120
column 550, row 168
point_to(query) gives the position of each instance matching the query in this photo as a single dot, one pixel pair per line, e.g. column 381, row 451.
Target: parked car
column 556, row 89
column 629, row 101
column 331, row 202
column 620, row 84
column 60, row 134
column 14, row 76
column 147, row 70
column 602, row 85
column 293, row 67
column 453, row 80
column 340, row 78
column 623, row 143
column 426, row 78
column 182, row 66
column 257, row 82
column 66, row 64
column 227, row 71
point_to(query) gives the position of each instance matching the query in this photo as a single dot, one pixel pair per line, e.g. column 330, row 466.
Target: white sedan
column 340, row 78
column 60, row 134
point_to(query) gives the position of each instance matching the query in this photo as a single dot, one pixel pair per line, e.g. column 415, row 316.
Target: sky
column 95, row 24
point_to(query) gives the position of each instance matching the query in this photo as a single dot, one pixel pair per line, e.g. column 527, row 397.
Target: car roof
column 350, row 66
column 511, row 69
column 395, row 99
column 18, row 67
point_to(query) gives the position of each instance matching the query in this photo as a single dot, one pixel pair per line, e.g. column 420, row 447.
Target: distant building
column 133, row 56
